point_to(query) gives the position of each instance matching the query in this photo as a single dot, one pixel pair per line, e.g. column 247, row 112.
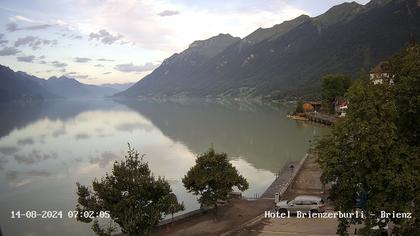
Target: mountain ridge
column 184, row 63
column 23, row 86
column 348, row 38
column 16, row 87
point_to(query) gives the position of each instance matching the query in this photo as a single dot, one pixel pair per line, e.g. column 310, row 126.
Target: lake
column 46, row 147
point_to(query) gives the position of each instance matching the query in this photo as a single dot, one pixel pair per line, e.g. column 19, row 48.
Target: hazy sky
column 110, row 41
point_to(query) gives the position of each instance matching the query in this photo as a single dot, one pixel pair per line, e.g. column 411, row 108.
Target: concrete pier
column 320, row 118
column 283, row 180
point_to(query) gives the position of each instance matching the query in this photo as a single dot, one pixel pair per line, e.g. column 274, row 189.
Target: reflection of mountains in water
column 15, row 115
column 261, row 134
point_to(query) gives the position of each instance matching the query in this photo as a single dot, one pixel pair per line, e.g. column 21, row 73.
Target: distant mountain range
column 22, row 86
column 288, row 59
column 118, row 86
column 14, row 86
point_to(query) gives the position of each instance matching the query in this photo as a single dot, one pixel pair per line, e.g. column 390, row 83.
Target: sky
column 111, row 41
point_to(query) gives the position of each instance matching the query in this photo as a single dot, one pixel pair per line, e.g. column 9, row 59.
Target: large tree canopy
column 213, row 178
column 374, row 150
column 135, row 199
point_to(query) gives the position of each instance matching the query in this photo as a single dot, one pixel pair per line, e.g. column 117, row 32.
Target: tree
column 133, row 197
column 299, row 107
column 333, row 86
column 174, row 206
column 406, row 70
column 374, row 149
column 213, row 178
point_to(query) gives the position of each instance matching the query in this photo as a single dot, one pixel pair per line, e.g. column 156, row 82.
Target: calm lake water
column 46, row 147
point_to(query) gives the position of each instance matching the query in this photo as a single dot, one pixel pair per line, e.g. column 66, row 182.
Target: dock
column 320, row 118
column 283, row 179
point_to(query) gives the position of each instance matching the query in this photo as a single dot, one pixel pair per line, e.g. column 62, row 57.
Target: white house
column 380, row 72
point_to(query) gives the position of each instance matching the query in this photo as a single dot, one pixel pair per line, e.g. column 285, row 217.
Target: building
column 316, row 105
column 380, row 72
column 340, row 106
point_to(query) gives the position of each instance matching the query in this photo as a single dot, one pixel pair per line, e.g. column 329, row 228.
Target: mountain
column 66, row 87
column 71, row 88
column 274, row 32
column 22, row 86
column 180, row 66
column 14, row 86
column 118, row 86
column 288, row 59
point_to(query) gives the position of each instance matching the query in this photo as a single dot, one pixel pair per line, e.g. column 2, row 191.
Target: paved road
column 293, row 226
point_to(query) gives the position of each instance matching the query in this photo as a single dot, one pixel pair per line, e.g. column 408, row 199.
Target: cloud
column 98, row 65
column 28, row 40
column 22, row 18
column 104, row 59
column 7, row 51
column 105, row 37
column 140, row 23
column 26, row 141
column 34, row 157
column 3, row 162
column 58, row 132
column 13, row 26
column 58, row 64
column 81, row 59
column 26, row 58
column 81, row 136
column 8, row 150
column 75, row 36
column 135, row 68
column 107, row 73
column 50, row 42
column 168, row 13
column 13, row 174
column 34, row 42
column 129, row 127
column 104, row 160
column 3, row 41
column 81, row 76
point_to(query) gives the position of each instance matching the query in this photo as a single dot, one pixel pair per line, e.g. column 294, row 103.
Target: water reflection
column 47, row 147
column 260, row 134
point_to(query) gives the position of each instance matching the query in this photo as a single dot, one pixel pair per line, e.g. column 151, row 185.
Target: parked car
column 313, row 204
